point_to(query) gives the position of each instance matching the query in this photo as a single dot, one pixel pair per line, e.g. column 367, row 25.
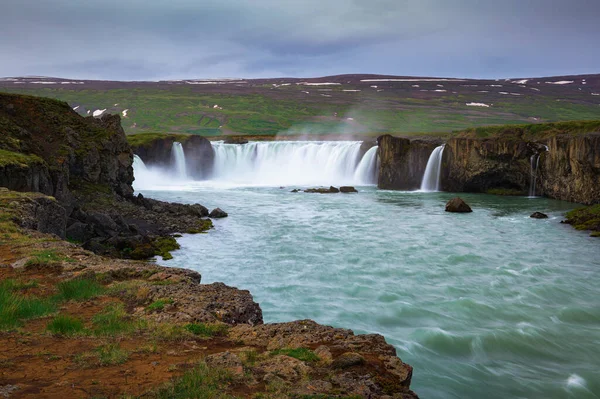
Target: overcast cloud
column 152, row 40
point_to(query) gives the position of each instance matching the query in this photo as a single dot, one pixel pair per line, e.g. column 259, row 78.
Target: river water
column 489, row 304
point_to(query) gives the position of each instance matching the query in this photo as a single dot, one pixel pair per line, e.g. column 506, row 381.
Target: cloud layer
column 152, row 39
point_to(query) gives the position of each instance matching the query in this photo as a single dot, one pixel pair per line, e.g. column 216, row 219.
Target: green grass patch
column 114, row 321
column 533, row 131
column 47, row 257
column 16, row 307
column 65, row 325
column 304, row 354
column 202, row 382
column 159, row 305
column 208, row 329
column 79, row 289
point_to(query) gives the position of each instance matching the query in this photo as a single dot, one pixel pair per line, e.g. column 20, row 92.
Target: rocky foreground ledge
column 76, row 324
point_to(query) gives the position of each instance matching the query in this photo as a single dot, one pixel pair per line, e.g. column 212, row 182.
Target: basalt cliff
column 564, row 166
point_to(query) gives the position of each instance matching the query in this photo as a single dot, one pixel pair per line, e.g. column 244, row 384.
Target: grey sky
column 151, row 39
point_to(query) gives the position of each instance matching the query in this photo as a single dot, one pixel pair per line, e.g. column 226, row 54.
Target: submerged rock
column 458, row 205
column 330, row 190
column 348, row 189
column 538, row 215
column 218, row 213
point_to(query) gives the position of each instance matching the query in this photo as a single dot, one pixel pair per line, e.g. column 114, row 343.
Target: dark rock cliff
column 46, row 146
column 479, row 165
column 570, row 170
column 156, row 151
column 568, row 167
column 403, row 161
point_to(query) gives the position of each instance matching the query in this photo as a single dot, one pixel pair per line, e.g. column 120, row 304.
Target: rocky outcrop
column 58, row 148
column 570, row 170
column 403, row 161
column 156, row 151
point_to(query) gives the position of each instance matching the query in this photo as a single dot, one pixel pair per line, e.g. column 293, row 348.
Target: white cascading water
column 431, row 178
column 284, row 163
column 179, row 160
column 534, row 163
column 139, row 165
column 366, row 171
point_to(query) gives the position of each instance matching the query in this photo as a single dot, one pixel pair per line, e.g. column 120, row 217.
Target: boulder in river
column 348, row 189
column 330, row 190
column 217, row 213
column 458, row 205
column 538, row 215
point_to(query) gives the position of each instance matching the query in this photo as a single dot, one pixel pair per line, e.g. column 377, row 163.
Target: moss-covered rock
column 587, row 218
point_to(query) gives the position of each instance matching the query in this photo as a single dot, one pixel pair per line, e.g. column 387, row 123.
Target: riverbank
column 77, row 324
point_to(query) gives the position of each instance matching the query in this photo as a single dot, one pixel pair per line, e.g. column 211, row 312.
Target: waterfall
column 284, row 163
column 534, row 162
column 139, row 165
column 179, row 160
column 366, row 171
column 431, row 178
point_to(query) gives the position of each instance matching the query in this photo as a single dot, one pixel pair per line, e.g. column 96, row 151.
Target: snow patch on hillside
column 477, row 105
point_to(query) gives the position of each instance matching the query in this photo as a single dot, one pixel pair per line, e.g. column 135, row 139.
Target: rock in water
column 348, row 189
column 458, row 205
column 538, row 215
column 217, row 213
column 330, row 190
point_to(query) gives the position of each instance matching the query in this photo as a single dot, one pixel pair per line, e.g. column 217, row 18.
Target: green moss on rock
column 587, row 218
column 15, row 158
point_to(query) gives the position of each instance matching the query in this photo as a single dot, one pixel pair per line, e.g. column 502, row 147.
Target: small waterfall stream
column 138, row 164
column 366, row 171
column 534, row 163
column 431, row 177
column 179, row 160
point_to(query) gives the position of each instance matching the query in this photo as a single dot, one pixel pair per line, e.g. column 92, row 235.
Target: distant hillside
column 362, row 104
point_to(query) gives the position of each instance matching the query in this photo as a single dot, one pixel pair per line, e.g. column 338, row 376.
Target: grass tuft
column 79, row 289
column 111, row 354
column 159, row 305
column 201, row 382
column 15, row 307
column 65, row 325
column 304, row 354
column 113, row 321
column 208, row 330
